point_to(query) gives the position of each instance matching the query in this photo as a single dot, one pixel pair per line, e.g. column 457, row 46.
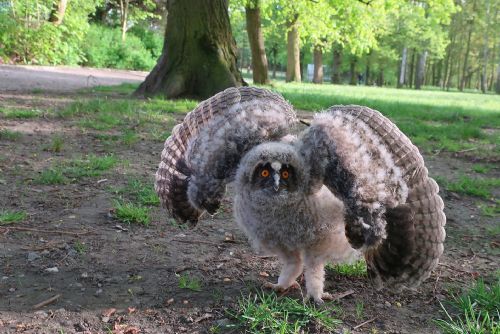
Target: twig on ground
column 364, row 323
column 47, row 302
column 467, row 150
column 197, row 242
column 342, row 295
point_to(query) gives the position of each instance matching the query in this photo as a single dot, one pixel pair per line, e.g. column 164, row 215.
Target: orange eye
column 284, row 174
column 264, row 173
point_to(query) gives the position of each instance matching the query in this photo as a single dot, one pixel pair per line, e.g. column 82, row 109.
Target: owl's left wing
column 202, row 153
column 393, row 210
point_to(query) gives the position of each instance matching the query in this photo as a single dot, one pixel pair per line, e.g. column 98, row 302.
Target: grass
column 80, row 247
column 11, row 217
column 51, row 176
column 475, row 311
column 139, row 192
column 268, row 313
column 10, row 135
column 479, row 187
column 56, row 144
column 19, row 113
column 490, row 210
column 434, row 120
column 356, row 269
column 130, row 213
column 189, row 283
column 481, row 169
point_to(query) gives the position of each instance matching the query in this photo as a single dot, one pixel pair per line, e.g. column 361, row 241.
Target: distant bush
column 105, row 48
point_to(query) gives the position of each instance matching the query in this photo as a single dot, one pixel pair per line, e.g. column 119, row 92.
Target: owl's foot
column 320, row 299
column 281, row 288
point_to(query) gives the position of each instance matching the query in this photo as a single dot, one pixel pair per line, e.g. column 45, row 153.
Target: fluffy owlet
column 350, row 183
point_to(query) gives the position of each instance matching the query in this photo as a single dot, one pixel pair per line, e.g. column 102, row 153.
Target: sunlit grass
column 130, row 213
column 479, row 187
column 139, row 192
column 19, row 113
column 356, row 269
column 268, row 313
column 189, row 282
column 11, row 217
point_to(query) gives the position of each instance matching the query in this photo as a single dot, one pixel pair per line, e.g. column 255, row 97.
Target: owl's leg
column 292, row 268
column 315, row 277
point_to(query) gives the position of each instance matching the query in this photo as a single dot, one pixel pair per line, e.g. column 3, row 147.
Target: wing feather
column 393, row 210
column 202, row 153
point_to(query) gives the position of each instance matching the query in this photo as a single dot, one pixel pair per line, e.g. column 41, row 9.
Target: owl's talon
column 325, row 296
column 280, row 288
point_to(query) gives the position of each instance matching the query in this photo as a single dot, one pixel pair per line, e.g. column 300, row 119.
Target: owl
column 350, row 184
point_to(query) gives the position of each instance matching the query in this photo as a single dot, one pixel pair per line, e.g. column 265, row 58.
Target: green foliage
column 356, row 269
column 92, row 165
column 19, row 113
column 140, row 192
column 104, row 48
column 10, row 217
column 130, row 213
column 190, row 283
column 266, row 313
column 51, row 176
column 477, row 310
column 479, row 187
column 10, row 135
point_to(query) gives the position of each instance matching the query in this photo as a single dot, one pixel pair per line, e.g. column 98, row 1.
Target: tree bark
column 293, row 52
column 380, row 78
column 412, row 67
column 402, row 68
column 318, row 65
column 256, row 39
column 274, row 52
column 497, row 87
column 58, row 11
column 420, row 70
column 484, row 74
column 337, row 62
column 124, row 17
column 199, row 53
column 466, row 58
column 368, row 69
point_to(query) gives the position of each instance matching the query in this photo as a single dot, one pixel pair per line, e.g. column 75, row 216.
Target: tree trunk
column 380, row 78
column 466, row 58
column 352, row 72
column 259, row 60
column 293, row 52
column 337, row 62
column 199, row 52
column 274, row 52
column 58, row 11
column 318, row 65
column 367, row 69
column 420, row 70
column 412, row 67
column 484, row 74
column 124, row 17
column 402, row 68
column 497, row 87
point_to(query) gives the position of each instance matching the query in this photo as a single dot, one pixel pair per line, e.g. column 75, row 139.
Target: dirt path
column 125, row 279
column 61, row 79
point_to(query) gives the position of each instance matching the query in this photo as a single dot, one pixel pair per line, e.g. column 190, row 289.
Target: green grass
column 139, row 192
column 130, row 213
column 80, row 247
column 56, row 144
column 189, row 283
column 434, row 120
column 19, row 113
column 481, row 169
column 11, row 217
column 356, row 269
column 51, row 176
column 490, row 209
column 10, row 135
column 479, row 187
column 92, row 165
column 268, row 313
column 476, row 311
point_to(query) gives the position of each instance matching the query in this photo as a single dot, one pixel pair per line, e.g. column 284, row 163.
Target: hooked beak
column 276, row 185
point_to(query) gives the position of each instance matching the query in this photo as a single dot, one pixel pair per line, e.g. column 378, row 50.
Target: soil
column 118, row 278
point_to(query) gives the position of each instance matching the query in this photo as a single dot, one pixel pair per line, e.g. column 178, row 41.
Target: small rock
column 170, row 301
column 98, row 292
column 45, row 253
column 105, row 319
column 264, row 274
column 5, row 277
column 185, row 302
column 72, row 252
column 387, row 304
column 52, row 270
column 85, row 275
column 12, row 289
column 223, row 322
column 79, row 285
column 41, row 314
column 32, row 256
column 398, row 304
column 226, row 280
column 71, row 216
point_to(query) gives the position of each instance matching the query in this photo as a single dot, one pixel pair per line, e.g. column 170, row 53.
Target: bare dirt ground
column 117, row 278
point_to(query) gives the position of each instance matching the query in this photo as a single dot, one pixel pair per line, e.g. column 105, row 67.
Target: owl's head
column 274, row 168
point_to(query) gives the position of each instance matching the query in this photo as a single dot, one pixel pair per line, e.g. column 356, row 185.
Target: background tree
column 199, row 53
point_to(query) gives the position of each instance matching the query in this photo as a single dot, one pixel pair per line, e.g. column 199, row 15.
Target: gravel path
column 61, row 78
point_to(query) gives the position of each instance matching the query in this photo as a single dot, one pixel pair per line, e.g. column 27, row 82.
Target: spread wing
column 202, row 153
column 393, row 210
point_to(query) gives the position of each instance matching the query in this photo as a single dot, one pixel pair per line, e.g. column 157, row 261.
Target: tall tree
column 199, row 53
column 256, row 39
column 58, row 11
column 293, row 50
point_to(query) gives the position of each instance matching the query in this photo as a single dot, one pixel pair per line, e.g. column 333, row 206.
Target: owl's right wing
column 393, row 210
column 202, row 153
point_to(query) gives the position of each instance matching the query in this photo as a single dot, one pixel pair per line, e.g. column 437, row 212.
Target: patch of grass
column 490, row 210
column 475, row 311
column 360, row 309
column 80, row 247
column 190, row 283
column 10, row 135
column 129, row 137
column 51, row 176
column 481, row 169
column 493, row 230
column 20, row 113
column 266, row 313
column 91, row 166
column 479, row 187
column 356, row 269
column 11, row 217
column 140, row 192
column 130, row 213
column 124, row 88
column 56, row 144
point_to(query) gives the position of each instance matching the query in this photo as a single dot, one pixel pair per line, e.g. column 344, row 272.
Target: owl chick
column 351, row 182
